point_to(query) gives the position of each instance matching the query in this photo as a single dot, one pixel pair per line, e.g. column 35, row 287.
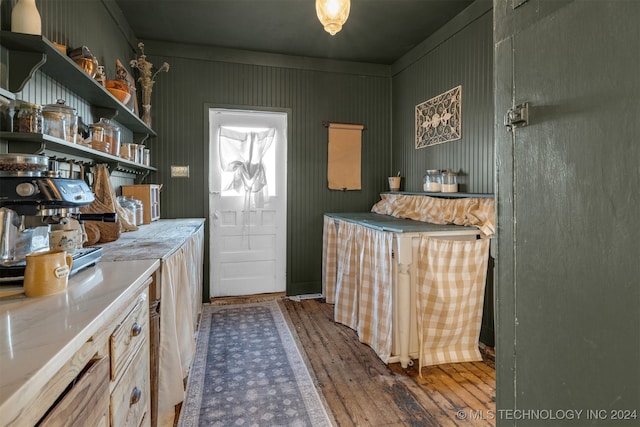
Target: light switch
column 179, row 171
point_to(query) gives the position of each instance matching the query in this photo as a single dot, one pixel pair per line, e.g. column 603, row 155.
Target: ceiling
column 377, row 31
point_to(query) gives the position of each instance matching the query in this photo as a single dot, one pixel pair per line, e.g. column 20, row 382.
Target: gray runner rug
column 247, row 371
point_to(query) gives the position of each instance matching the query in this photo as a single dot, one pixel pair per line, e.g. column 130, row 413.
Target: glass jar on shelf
column 449, row 181
column 111, row 134
column 432, row 181
column 60, row 121
column 27, row 117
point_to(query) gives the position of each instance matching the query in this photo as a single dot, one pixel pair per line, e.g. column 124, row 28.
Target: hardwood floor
column 360, row 390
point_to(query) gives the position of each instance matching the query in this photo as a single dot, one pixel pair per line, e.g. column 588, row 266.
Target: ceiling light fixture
column 333, row 14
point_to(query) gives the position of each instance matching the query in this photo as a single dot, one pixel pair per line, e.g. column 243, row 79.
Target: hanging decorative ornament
column 333, row 14
column 25, row 18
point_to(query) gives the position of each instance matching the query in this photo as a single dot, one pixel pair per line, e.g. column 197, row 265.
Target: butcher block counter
column 158, row 240
column 45, row 342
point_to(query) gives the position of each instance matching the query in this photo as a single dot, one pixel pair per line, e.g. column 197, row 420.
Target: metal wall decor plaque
column 439, row 119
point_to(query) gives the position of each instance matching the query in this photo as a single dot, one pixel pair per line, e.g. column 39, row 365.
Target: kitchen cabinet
column 129, row 351
column 28, row 53
column 175, row 302
column 86, row 402
column 149, row 195
column 49, row 347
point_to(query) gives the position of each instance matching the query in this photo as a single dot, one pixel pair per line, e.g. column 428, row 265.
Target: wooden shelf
column 37, row 143
column 28, row 53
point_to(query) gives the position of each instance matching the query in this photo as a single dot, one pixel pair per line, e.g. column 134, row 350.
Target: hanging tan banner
column 345, row 156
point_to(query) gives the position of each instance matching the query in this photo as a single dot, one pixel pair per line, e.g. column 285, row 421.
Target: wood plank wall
column 77, row 24
column 465, row 58
column 313, row 91
column 180, row 100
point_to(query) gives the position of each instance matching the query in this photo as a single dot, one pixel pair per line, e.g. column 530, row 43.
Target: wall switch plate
column 179, row 171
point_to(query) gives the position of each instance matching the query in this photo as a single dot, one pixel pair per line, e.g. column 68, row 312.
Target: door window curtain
column 241, row 153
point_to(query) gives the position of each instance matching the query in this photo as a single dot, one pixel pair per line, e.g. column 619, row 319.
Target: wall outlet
column 179, row 171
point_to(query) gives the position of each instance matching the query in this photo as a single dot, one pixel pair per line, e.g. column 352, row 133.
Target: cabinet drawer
column 86, row 403
column 130, row 397
column 128, row 336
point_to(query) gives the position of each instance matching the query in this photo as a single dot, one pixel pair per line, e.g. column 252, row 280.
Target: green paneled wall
column 313, row 91
column 179, row 117
column 465, row 58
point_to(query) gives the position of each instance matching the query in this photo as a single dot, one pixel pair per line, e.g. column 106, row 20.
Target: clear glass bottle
column 432, row 181
column 449, row 182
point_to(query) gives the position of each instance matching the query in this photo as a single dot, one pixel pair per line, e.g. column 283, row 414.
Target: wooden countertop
column 39, row 335
column 157, row 240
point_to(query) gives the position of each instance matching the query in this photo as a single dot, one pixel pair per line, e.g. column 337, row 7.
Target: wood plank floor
column 360, row 390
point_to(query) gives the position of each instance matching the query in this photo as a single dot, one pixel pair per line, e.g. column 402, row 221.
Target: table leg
column 404, row 297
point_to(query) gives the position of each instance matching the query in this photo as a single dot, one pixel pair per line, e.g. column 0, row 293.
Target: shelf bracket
column 101, row 112
column 141, row 179
column 23, row 66
column 140, row 138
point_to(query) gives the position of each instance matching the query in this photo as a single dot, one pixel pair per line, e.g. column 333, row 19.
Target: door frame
column 205, row 130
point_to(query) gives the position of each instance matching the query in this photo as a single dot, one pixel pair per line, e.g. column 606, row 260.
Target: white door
column 247, row 201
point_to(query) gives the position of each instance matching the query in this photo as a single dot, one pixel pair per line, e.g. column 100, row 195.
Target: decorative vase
column 25, row 18
column 146, row 114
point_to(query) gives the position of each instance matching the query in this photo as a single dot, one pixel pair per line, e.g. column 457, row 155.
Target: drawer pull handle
column 136, row 394
column 135, row 330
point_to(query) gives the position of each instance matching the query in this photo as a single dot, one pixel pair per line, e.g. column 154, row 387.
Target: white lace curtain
column 242, row 153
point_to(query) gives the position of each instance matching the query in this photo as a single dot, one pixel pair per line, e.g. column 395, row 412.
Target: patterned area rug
column 248, row 372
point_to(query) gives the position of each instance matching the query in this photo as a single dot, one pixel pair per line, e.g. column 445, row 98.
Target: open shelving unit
column 37, row 143
column 30, row 53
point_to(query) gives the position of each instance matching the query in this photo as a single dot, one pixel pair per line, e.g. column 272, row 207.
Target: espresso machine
column 33, row 199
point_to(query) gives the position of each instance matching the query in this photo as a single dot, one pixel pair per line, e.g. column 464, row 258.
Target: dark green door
column 569, row 201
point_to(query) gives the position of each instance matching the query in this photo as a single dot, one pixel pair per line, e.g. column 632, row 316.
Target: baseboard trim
column 244, row 299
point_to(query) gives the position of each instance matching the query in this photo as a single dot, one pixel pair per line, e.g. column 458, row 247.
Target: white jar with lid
column 449, row 182
column 432, row 181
